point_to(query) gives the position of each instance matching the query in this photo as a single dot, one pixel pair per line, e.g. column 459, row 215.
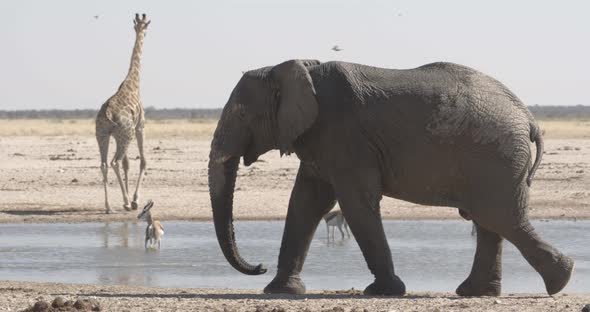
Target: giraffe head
column 140, row 24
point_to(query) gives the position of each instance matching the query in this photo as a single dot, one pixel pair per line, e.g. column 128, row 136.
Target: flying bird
column 336, row 48
column 96, row 16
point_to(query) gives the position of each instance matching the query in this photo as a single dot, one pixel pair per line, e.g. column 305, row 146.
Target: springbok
column 336, row 219
column 154, row 229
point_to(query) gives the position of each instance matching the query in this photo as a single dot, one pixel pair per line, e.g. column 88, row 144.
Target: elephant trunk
column 222, row 179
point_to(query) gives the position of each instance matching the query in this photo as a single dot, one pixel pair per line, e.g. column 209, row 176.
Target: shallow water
column 428, row 255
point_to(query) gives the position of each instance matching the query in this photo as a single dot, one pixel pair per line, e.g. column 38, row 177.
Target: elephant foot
column 390, row 287
column 558, row 275
column 472, row 289
column 292, row 285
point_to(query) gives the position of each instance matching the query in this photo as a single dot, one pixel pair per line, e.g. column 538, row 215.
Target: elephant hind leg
column 486, row 273
column 554, row 267
column 509, row 219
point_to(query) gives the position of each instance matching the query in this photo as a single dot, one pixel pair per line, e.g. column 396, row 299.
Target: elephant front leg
column 310, row 200
column 359, row 200
column 486, row 274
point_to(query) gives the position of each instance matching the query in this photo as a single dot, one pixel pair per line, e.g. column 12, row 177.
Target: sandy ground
column 57, row 179
column 15, row 296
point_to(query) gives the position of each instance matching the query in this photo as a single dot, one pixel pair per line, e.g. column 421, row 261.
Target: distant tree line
column 150, row 112
column 540, row 112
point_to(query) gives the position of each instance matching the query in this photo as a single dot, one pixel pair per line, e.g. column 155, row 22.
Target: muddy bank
column 16, row 296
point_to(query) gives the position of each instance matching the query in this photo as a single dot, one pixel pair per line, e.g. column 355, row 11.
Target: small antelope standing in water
column 154, row 229
column 336, row 219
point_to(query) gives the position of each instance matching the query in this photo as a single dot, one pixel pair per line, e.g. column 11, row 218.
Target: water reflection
column 121, row 244
column 120, row 231
column 335, row 243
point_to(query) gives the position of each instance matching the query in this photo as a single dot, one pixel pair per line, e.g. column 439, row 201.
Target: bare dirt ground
column 58, row 179
column 52, row 175
column 16, row 296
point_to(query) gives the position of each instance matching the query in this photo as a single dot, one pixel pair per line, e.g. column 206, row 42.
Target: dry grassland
column 565, row 128
column 203, row 128
column 197, row 128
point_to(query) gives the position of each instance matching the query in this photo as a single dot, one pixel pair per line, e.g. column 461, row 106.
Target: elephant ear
column 297, row 107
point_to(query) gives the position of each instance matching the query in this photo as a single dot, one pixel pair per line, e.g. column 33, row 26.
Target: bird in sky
column 336, row 48
column 96, row 16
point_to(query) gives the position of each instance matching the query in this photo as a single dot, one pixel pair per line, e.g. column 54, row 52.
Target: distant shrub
column 540, row 112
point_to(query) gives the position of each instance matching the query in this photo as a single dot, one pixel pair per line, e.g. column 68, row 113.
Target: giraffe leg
column 142, row 166
column 126, row 172
column 103, row 146
column 119, row 155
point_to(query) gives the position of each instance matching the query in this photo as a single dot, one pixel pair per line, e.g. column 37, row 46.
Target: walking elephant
column 441, row 134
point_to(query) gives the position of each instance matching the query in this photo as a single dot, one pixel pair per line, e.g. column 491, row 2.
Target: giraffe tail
column 106, row 113
column 109, row 115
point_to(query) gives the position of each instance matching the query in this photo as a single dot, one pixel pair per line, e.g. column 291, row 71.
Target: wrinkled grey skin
column 441, row 134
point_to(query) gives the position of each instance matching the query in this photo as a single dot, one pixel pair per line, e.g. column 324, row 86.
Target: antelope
column 336, row 219
column 154, row 229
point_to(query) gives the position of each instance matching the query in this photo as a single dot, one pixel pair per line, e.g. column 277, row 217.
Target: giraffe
column 122, row 116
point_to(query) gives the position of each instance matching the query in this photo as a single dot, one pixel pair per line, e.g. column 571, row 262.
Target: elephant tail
column 537, row 138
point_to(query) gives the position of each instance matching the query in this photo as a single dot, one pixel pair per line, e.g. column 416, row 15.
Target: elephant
column 441, row 134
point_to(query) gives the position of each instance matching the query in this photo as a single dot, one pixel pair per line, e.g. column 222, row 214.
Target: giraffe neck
column 132, row 79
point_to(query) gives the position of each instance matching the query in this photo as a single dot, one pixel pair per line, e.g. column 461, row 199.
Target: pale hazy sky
column 55, row 54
